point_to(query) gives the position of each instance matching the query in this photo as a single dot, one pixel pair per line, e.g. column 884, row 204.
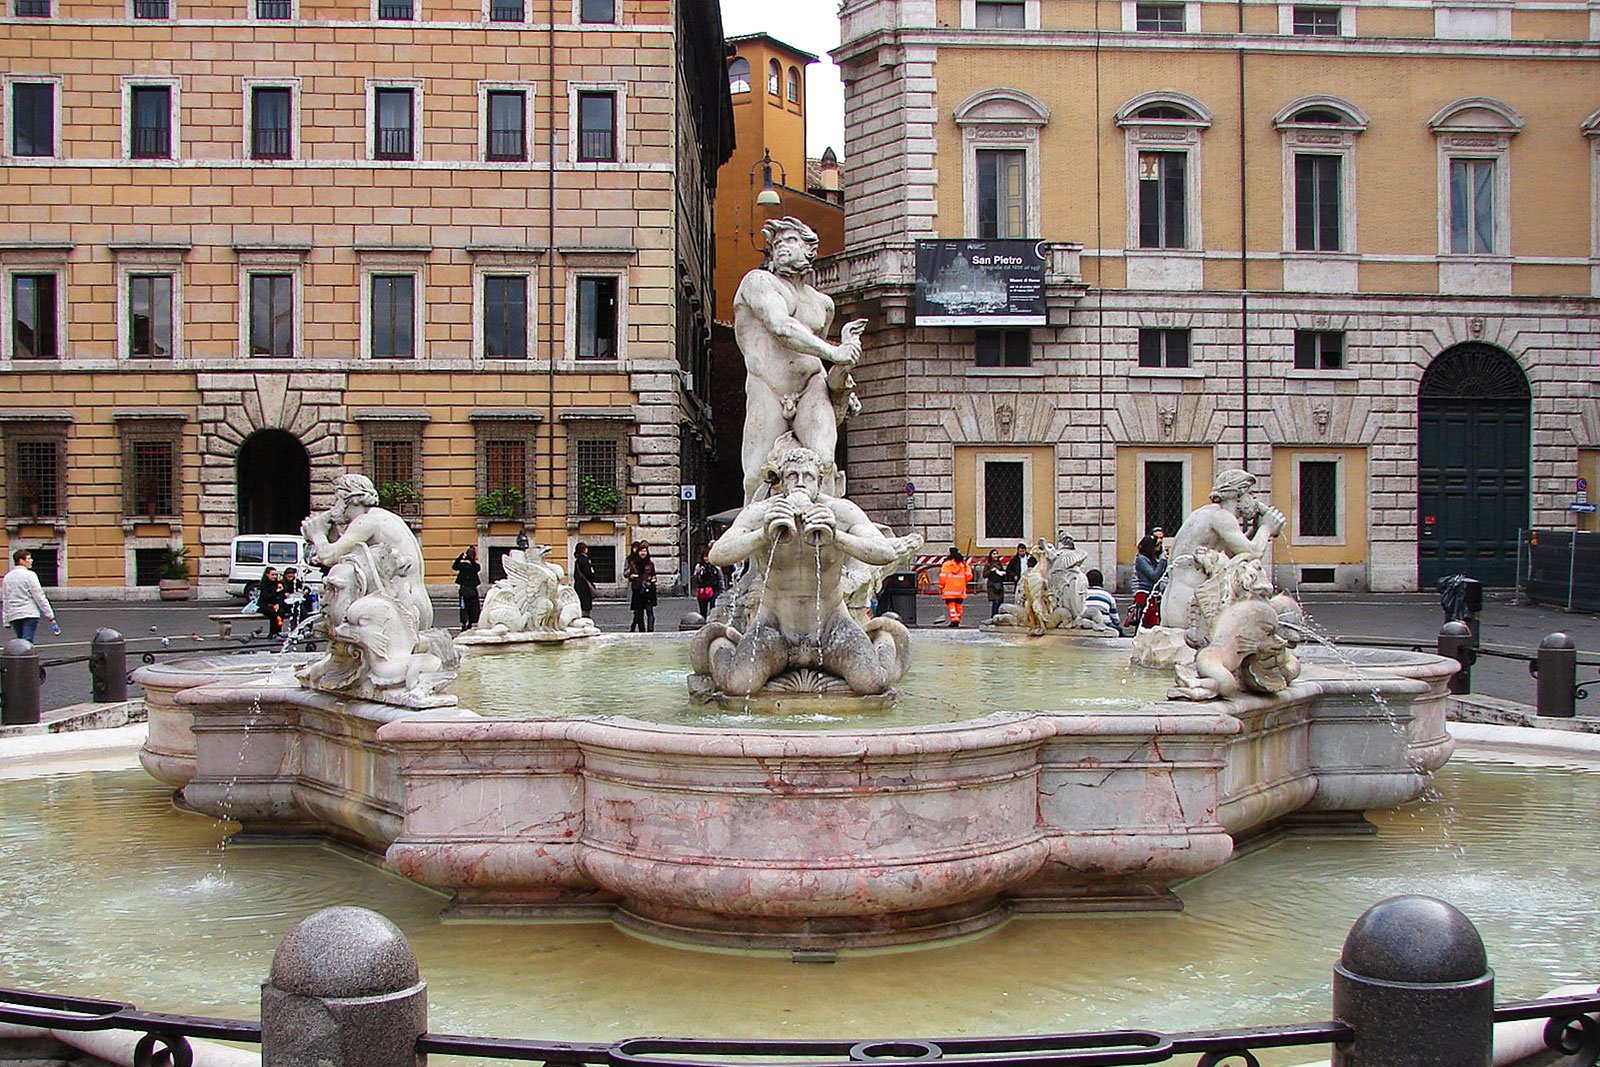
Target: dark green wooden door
column 1473, row 422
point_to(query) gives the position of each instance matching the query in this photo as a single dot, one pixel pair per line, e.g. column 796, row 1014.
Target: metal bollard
column 1414, row 984
column 108, row 666
column 1455, row 642
column 19, row 684
column 1556, row 668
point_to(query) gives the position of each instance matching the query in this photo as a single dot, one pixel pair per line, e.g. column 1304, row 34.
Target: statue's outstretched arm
column 741, row 541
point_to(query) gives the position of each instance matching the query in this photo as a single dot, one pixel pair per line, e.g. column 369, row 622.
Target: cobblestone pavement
column 1406, row 618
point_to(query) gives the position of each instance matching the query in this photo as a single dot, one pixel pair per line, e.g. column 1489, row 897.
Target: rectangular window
column 33, row 317
column 597, row 10
column 1163, row 196
column 394, row 463
column 391, row 134
column 604, row 558
column 1319, row 500
column 31, row 9
column 999, row 15
column 1472, row 205
column 506, row 138
column 149, row 479
column 270, row 118
column 272, row 315
column 1316, row 203
column 1164, row 348
column 1316, row 21
column 506, row 11
column 1318, row 350
column 505, row 465
column 274, row 9
column 505, row 316
column 597, row 127
column 36, row 489
column 151, row 9
column 1158, row 18
column 33, row 119
column 1002, row 193
column 151, row 134
column 1004, row 348
column 394, row 10
column 1163, row 495
column 393, row 311
column 595, row 476
column 597, row 318
column 147, row 564
column 1003, row 483
column 150, row 315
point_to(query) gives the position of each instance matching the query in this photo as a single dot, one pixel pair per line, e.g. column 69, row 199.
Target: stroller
column 1146, row 608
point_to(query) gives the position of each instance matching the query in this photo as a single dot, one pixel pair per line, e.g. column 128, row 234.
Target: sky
column 811, row 26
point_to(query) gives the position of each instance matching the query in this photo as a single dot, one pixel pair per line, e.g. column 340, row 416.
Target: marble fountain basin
column 743, row 835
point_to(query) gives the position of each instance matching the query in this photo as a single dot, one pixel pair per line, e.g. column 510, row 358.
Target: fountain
column 864, row 833
column 529, row 605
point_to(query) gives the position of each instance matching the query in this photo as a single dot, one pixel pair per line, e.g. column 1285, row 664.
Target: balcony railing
column 506, row 11
column 270, row 142
column 393, row 143
column 507, row 145
column 151, row 9
column 394, row 9
column 33, row 9
column 274, row 9
column 597, row 146
column 151, row 142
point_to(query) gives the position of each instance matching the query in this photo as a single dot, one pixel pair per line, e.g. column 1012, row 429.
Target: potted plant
column 402, row 498
column 175, row 574
column 505, row 503
column 597, row 498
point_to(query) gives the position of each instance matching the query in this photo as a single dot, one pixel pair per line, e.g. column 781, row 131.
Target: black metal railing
column 151, row 9
column 274, row 9
column 1568, row 1030
column 33, row 9
column 392, row 142
column 506, row 11
column 507, row 146
column 597, row 146
column 151, row 142
column 270, row 142
column 394, row 9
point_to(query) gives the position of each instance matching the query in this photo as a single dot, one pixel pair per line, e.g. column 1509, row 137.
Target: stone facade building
column 463, row 246
column 1352, row 247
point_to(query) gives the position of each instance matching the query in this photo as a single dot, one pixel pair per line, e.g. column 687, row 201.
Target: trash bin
column 899, row 595
column 1461, row 598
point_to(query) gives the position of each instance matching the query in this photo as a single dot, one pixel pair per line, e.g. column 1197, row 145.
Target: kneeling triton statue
column 802, row 637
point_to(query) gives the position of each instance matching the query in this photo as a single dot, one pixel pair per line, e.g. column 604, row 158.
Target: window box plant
column 597, row 498
column 402, row 498
column 506, row 503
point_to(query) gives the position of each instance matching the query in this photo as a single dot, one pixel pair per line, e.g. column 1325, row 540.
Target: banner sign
column 980, row 283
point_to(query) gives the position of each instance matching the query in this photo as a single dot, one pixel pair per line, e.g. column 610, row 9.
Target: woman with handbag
column 708, row 583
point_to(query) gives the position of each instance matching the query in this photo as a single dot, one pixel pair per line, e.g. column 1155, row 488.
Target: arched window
column 1319, row 143
column 1163, row 134
column 794, row 85
column 738, row 75
column 1000, row 130
column 1474, row 146
column 774, row 78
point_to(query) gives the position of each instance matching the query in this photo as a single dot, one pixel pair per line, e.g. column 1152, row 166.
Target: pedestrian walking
column 707, row 583
column 995, row 575
column 640, row 570
column 955, row 574
column 1017, row 566
column 1098, row 596
column 469, row 577
column 22, row 598
column 584, row 579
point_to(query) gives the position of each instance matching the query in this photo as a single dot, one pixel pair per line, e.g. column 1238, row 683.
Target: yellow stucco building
column 1352, row 247
column 461, row 247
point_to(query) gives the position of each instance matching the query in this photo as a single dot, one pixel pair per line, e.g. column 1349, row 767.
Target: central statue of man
column 796, row 382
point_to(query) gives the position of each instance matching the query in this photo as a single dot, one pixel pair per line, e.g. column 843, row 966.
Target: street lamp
column 768, row 196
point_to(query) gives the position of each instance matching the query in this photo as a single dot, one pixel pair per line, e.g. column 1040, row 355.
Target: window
column 1002, row 193
column 33, row 119
column 393, row 316
column 1163, row 192
column 1003, row 348
column 1158, row 18
column 395, row 10
column 1163, row 348
column 34, row 317
column 1004, row 504
column 1164, row 503
column 604, row 558
column 1316, row 21
column 36, row 483
column 150, row 315
column 274, row 9
column 271, row 123
column 596, row 485
column 794, row 85
column 738, row 75
column 392, row 129
column 152, row 9
column 394, row 472
column 999, row 15
column 597, row 317
column 272, row 315
column 505, row 316
column 774, row 78
column 150, row 135
column 147, row 564
column 1472, row 214
column 1316, row 202
column 505, row 466
column 148, row 475
column 30, row 9
column 1318, row 511
column 597, row 10
column 506, row 11
column 507, row 133
column 597, row 127
column 1318, row 350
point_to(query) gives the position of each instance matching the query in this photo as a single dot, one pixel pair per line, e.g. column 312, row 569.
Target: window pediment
column 1158, row 106
column 1001, row 107
column 1477, row 114
column 1315, row 112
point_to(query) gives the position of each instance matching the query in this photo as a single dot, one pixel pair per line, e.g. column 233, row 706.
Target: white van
column 251, row 554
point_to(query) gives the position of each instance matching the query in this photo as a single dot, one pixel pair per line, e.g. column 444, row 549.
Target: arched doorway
column 273, row 479
column 1474, row 417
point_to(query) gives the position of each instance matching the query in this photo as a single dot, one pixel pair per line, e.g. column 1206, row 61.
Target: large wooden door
column 1474, row 413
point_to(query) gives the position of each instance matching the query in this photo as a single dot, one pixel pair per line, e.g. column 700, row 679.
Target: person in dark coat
column 584, row 578
column 995, row 576
column 469, row 576
column 708, row 583
column 269, row 601
column 640, row 570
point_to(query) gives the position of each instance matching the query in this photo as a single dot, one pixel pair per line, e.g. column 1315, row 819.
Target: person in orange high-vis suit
column 954, row 575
